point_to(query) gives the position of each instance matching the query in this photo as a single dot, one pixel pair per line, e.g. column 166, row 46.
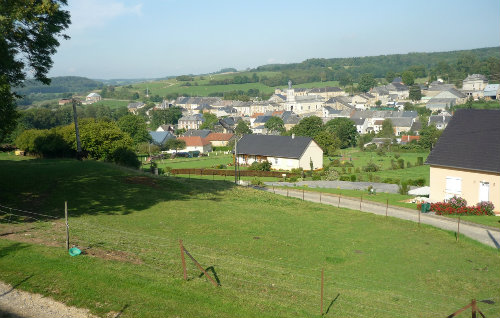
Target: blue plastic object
column 74, row 251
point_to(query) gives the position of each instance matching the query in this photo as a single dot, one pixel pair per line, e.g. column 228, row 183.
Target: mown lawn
column 267, row 251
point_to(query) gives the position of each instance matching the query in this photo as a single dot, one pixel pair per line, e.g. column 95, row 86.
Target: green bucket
column 74, row 251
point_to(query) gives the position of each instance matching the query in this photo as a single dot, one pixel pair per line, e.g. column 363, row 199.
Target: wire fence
column 277, row 280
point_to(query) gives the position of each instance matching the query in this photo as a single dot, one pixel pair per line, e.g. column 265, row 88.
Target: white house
column 92, row 98
column 196, row 143
column 283, row 152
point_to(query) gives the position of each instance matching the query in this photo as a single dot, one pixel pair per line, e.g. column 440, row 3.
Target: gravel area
column 348, row 185
column 16, row 303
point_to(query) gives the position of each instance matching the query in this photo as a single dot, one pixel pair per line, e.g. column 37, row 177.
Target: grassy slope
column 266, row 250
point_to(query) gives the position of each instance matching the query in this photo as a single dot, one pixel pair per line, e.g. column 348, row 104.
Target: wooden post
column 322, row 279
column 338, row 206
column 287, row 192
column 386, row 207
column 474, row 308
column 360, row 201
column 320, row 197
column 419, row 211
column 302, row 194
column 67, row 224
column 201, row 268
column 183, row 260
column 458, row 230
column 273, row 190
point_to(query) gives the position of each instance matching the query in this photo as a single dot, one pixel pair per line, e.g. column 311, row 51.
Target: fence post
column 183, row 260
column 67, row 224
column 386, row 207
column 273, row 190
column 338, row 206
column 458, row 230
column 302, row 194
column 287, row 192
column 419, row 211
column 320, row 197
column 322, row 279
column 213, row 176
column 360, row 201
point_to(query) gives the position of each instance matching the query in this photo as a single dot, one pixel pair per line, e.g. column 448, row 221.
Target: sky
column 113, row 39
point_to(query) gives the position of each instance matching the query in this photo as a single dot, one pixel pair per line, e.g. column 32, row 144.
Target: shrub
column 343, row 170
column 331, row 175
column 408, row 164
column 316, row 175
column 483, row 208
column 293, row 179
column 335, row 163
column 376, row 179
column 403, row 188
column 486, row 207
column 457, row 202
column 345, row 178
column 260, row 166
column 391, row 180
column 397, row 155
column 401, row 163
column 256, row 182
column 349, row 170
column 371, row 167
column 220, row 166
column 347, row 164
column 126, row 157
column 380, row 152
column 353, row 177
column 420, row 161
column 358, row 170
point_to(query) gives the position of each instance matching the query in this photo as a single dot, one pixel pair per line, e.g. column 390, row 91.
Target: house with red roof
column 220, row 139
column 196, row 143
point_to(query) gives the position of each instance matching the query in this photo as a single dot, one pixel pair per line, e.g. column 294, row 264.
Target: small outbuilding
column 283, row 152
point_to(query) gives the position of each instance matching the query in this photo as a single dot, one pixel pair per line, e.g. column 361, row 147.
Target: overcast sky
column 157, row 38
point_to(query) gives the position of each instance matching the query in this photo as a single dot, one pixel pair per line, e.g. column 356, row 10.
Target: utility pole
column 77, row 131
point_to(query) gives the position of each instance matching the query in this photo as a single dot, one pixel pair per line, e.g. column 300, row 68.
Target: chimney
column 293, row 136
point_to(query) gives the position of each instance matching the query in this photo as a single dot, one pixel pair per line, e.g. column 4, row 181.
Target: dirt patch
column 150, row 182
column 113, row 255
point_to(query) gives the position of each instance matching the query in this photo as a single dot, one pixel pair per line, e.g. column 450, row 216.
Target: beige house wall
column 313, row 152
column 470, row 185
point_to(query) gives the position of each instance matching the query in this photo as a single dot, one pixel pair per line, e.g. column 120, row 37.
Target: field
column 266, row 251
column 112, row 103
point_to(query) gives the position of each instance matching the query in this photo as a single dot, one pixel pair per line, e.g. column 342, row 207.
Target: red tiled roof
column 255, row 115
column 408, row 138
column 219, row 137
column 195, row 141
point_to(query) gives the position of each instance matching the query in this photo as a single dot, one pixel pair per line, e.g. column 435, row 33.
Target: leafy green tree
column 387, row 129
column 329, row 142
column 366, row 82
column 390, row 76
column 210, row 121
column 242, row 128
column 415, row 93
column 136, row 127
column 174, row 144
column 408, row 78
column 275, row 124
column 429, row 135
column 378, row 103
column 344, row 129
column 29, row 36
column 344, row 78
column 168, row 116
column 309, row 126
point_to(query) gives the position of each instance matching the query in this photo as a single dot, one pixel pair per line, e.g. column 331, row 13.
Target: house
column 203, row 133
column 64, row 101
column 196, row 143
column 166, row 128
column 466, row 159
column 474, row 85
column 440, row 121
column 92, row 98
column 435, row 104
column 401, row 125
column 492, row 92
column 161, row 137
column 327, row 92
column 361, row 124
column 339, row 103
column 191, row 121
column 220, row 139
column 283, row 152
column 133, row 107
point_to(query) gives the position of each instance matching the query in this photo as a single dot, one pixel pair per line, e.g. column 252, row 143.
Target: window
column 453, row 187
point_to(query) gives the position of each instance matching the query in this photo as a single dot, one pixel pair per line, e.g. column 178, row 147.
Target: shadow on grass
column 214, row 273
column 331, row 304
column 14, row 247
column 15, row 286
column 91, row 187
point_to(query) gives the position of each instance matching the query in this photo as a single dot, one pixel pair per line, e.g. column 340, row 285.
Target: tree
column 168, row 116
column 415, row 93
column 135, row 126
column 275, row 124
column 408, row 78
column 390, row 76
column 29, row 36
column 242, row 128
column 344, row 78
column 378, row 103
column 429, row 135
column 210, row 121
column 309, row 126
column 366, row 82
column 344, row 129
column 175, row 144
column 328, row 142
column 387, row 129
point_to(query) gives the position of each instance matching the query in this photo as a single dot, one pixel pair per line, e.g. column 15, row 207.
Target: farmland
column 267, row 251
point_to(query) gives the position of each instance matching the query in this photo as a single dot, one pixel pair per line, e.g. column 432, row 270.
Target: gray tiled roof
column 325, row 90
column 401, row 121
column 273, row 146
column 470, row 141
column 197, row 133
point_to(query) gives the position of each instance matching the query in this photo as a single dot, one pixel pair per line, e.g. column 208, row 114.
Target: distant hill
column 62, row 84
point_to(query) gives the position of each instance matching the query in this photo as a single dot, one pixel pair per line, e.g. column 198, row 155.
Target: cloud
column 87, row 14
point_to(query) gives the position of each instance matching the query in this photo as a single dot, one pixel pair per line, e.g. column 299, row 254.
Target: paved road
column 484, row 234
column 379, row 187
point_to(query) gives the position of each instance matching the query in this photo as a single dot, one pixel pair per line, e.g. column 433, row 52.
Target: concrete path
column 348, row 185
column 481, row 233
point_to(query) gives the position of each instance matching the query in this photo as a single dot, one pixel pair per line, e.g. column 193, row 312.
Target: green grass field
column 267, row 251
column 112, row 103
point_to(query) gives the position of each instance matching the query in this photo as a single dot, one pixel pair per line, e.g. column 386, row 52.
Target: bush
column 486, row 207
column 353, row 177
column 403, row 188
column 391, row 180
column 349, row 170
column 401, row 163
column 345, row 178
column 335, row 163
column 420, row 161
column 256, row 182
column 316, row 175
column 397, row 155
column 483, row 208
column 331, row 175
column 260, row 166
column 381, row 152
column 408, row 164
column 126, row 157
column 347, row 164
column 358, row 170
column 371, row 167
column 293, row 179
column 220, row 166
column 457, row 202
column 376, row 179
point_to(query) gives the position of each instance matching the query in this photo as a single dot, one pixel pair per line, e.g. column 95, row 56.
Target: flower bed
column 458, row 206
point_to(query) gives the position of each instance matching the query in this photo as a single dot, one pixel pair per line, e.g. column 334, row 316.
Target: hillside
column 266, row 251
